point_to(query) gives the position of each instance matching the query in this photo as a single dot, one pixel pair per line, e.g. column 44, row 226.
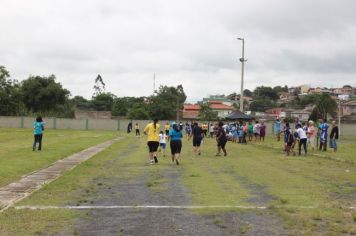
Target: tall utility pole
column 242, row 59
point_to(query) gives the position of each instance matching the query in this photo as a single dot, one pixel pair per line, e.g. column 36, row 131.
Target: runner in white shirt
column 162, row 142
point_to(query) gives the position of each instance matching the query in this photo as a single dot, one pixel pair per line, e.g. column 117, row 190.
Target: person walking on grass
column 175, row 136
column 137, row 128
column 38, row 127
column 221, row 139
column 152, row 131
column 302, row 139
column 162, row 142
column 197, row 134
column 334, row 136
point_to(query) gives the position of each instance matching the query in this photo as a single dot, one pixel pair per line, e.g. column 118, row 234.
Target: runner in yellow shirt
column 152, row 132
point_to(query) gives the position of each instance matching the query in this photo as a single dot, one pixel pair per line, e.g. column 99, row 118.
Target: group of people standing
column 307, row 135
column 157, row 139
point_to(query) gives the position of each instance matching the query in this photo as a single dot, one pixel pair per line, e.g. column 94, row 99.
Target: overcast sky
column 188, row 42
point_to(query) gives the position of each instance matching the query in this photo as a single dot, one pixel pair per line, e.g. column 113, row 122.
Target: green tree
column 164, row 103
column 206, row 112
column 248, row 93
column 9, row 94
column 41, row 94
column 103, row 101
column 138, row 112
column 261, row 104
column 81, row 103
column 324, row 105
column 122, row 105
column 279, row 89
column 265, row 92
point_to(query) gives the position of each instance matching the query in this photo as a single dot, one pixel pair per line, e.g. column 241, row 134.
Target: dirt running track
column 150, row 221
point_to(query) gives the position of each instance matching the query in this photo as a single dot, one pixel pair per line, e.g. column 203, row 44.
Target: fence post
column 54, row 123
column 22, row 122
column 86, row 124
column 118, row 124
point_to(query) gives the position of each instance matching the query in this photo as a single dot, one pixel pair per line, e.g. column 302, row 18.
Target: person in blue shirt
column 38, row 127
column 323, row 127
column 278, row 129
column 175, row 136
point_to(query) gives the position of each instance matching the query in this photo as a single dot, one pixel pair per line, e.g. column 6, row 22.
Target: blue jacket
column 38, row 127
column 174, row 135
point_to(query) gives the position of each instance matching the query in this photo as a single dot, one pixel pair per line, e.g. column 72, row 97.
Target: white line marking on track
column 165, row 207
column 137, row 207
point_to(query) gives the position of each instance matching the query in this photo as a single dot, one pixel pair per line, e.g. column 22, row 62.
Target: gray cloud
column 185, row 42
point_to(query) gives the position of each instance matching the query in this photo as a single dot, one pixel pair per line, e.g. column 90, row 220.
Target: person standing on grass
column 38, row 127
column 288, row 139
column 137, row 128
column 188, row 129
column 244, row 129
column 197, row 134
column 262, row 131
column 211, row 130
column 256, row 130
column 278, row 129
column 323, row 135
column 250, row 131
column 152, row 131
column 311, row 134
column 334, row 136
column 302, row 139
column 221, row 139
column 162, row 142
column 175, row 136
column 286, row 131
column 129, row 127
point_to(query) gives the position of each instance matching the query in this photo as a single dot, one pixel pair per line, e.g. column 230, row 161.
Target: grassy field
column 17, row 157
column 311, row 195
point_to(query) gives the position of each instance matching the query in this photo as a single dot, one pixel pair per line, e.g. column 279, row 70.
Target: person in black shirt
column 221, row 139
column 334, row 136
column 197, row 134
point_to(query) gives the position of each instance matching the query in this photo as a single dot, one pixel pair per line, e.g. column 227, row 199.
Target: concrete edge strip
column 20, row 196
column 166, row 207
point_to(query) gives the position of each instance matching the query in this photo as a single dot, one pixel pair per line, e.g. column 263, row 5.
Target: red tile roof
column 215, row 106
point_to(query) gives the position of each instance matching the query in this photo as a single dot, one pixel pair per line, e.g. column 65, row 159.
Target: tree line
column 44, row 95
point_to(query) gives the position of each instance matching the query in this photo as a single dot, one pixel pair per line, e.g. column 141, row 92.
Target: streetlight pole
column 242, row 59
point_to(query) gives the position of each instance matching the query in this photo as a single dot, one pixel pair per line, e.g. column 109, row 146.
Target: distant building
column 348, row 108
column 191, row 111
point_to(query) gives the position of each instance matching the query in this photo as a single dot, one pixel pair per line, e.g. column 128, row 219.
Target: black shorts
column 222, row 143
column 152, row 146
column 176, row 146
column 167, row 132
column 196, row 142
